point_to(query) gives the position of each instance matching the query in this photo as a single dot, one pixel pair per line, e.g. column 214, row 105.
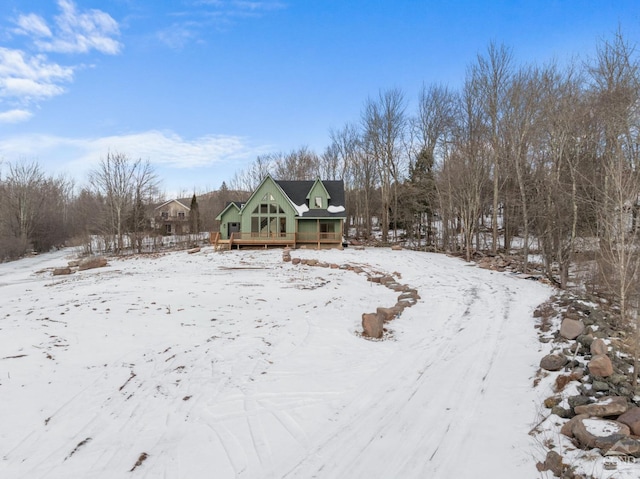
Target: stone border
column 372, row 323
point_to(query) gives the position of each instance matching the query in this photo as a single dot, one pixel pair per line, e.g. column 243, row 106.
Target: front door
column 233, row 228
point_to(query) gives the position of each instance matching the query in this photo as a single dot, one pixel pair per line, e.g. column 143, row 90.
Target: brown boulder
column 295, row 261
column 571, row 328
column 94, row 262
column 590, row 431
column 567, row 427
column 600, row 365
column 632, row 419
column 61, row 271
column 396, row 247
column 389, row 314
column 605, row 406
column 193, row 250
column 372, row 324
column 553, row 362
column 598, row 347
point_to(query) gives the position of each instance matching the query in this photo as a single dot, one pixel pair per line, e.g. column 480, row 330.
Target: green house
column 291, row 213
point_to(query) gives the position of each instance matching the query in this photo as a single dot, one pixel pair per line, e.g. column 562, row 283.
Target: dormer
column 318, row 197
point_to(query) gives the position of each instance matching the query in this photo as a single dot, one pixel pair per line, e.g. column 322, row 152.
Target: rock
column 606, row 406
column 617, row 379
column 561, row 412
column 553, row 462
column 375, row 279
column 600, row 386
column 579, row 400
column 93, row 262
column 590, row 431
column 333, row 266
column 372, row 324
column 571, row 328
column 552, row 401
column 386, row 280
column 601, row 366
column 625, row 446
column 585, row 340
column 598, row 346
column 396, row 247
column 632, row 419
column 295, row 261
column 193, row 250
column 553, row 362
column 74, row 263
column 567, row 427
column 397, row 287
column 414, row 296
column 61, row 271
column 389, row 314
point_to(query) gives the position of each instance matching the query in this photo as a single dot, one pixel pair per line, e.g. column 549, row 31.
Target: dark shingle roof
column 297, row 192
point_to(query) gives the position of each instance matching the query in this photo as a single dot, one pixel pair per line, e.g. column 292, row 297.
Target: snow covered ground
column 237, row 365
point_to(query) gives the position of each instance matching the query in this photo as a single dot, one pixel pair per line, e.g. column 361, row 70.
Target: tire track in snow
column 377, row 413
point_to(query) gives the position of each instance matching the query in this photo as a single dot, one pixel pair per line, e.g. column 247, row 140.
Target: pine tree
column 194, row 216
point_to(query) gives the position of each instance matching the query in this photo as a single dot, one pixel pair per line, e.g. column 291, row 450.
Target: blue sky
column 201, row 87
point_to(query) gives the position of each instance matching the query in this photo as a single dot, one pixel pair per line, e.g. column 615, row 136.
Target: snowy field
column 237, row 365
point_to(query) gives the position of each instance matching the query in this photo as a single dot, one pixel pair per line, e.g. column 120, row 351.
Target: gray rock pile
column 604, row 414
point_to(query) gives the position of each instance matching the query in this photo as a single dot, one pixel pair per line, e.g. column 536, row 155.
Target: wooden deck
column 285, row 239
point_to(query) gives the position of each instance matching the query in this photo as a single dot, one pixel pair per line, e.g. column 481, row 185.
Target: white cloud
column 217, row 14
column 27, row 78
column 74, row 31
column 32, row 24
column 162, row 148
column 15, row 116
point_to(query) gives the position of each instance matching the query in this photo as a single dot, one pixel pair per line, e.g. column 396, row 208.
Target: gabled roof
column 231, row 204
column 298, row 192
column 321, row 185
column 173, row 201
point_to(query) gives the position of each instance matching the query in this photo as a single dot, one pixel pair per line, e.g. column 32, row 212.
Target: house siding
column 320, row 191
column 231, row 215
column 268, row 187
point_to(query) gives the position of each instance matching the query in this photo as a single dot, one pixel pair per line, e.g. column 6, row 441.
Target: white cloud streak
column 162, row 148
column 15, row 116
column 218, row 14
column 32, row 24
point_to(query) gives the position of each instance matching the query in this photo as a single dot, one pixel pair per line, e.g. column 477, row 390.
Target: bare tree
column 492, row 74
column 384, row 122
column 120, row 181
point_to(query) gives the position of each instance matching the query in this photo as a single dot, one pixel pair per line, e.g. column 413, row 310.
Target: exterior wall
column 318, row 191
column 308, row 229
column 268, row 187
column 172, row 218
column 232, row 215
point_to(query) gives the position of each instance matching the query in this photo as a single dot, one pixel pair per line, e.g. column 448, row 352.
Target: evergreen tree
column 194, row 216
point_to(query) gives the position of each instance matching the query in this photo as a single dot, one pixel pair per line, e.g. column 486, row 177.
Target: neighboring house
column 171, row 217
column 286, row 213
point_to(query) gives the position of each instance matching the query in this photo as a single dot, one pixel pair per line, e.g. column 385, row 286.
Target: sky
column 200, row 88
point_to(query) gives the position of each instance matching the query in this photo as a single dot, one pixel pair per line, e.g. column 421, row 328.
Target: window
column 165, row 215
column 181, row 215
column 268, row 218
column 318, row 201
